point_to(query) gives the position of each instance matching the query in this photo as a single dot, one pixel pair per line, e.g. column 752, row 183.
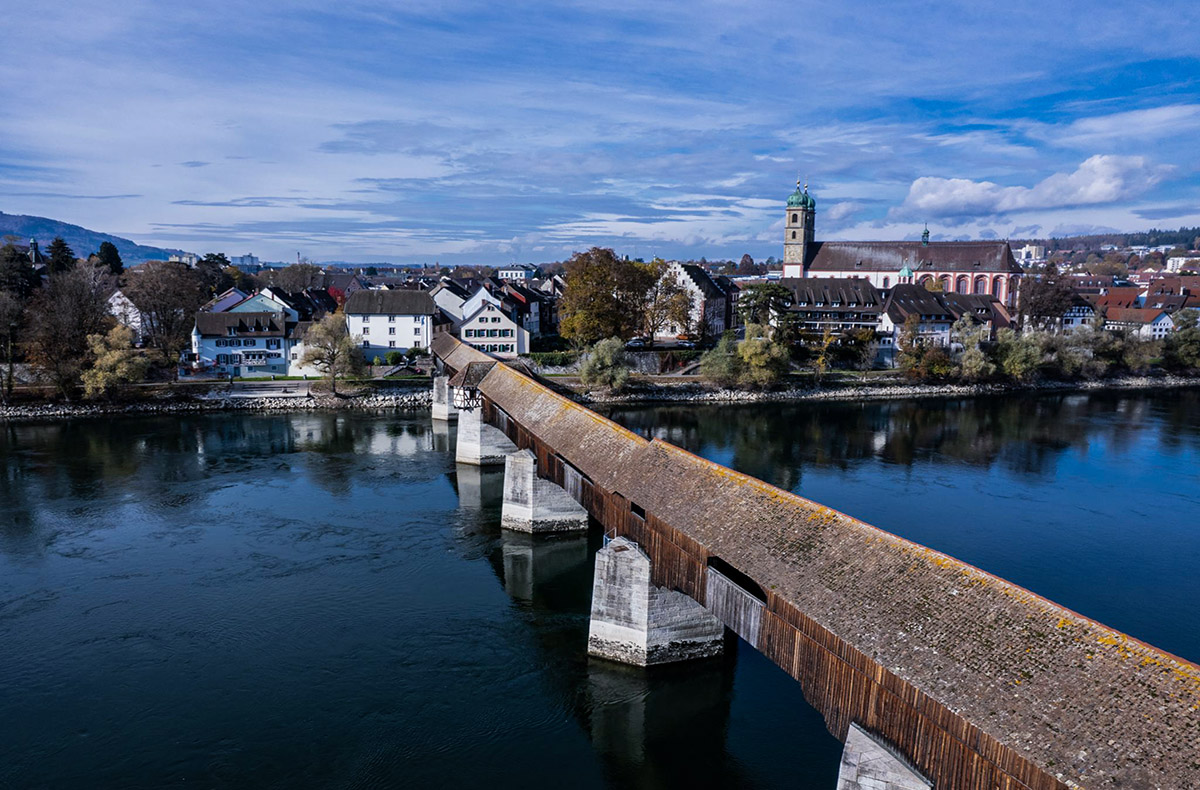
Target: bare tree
column 667, row 302
column 329, row 348
column 10, row 324
column 168, row 294
column 72, row 306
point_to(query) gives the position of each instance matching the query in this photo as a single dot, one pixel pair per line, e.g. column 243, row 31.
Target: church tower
column 798, row 232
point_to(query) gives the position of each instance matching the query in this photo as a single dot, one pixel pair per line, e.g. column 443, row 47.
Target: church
column 965, row 267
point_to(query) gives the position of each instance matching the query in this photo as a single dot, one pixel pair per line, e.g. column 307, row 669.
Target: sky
column 471, row 132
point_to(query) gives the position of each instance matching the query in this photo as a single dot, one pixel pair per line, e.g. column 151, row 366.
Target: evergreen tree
column 17, row 276
column 62, row 257
column 110, row 258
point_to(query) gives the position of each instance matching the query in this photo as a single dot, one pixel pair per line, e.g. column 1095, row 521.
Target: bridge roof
column 1088, row 704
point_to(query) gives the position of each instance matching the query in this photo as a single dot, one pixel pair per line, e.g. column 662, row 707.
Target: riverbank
column 399, row 399
column 887, row 389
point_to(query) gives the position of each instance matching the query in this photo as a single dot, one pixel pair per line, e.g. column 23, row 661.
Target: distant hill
column 83, row 241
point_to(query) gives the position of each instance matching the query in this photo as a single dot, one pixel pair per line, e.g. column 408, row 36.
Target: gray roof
column 825, row 291
column 889, row 256
column 257, row 324
column 906, row 300
column 392, row 302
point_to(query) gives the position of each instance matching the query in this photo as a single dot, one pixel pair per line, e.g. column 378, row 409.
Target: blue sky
column 520, row 131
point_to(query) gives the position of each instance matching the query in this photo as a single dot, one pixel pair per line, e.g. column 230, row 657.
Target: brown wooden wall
column 838, row 680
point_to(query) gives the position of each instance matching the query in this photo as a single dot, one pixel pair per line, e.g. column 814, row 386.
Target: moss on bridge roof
column 1089, row 704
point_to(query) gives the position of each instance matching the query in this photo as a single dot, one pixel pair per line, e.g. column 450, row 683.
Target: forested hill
column 1188, row 238
column 83, row 241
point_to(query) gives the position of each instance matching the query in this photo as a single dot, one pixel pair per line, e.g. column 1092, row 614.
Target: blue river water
column 321, row 600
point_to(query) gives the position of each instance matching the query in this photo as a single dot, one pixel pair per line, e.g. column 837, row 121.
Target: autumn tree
column 605, row 296
column 168, row 294
column 115, row 363
column 329, row 348
column 1182, row 348
column 823, row 354
column 762, row 360
column 110, row 258
column 721, row 364
column 72, row 306
column 606, row 365
column 296, row 277
column 62, row 257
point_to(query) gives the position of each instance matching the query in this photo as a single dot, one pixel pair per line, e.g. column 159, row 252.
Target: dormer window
column 232, row 331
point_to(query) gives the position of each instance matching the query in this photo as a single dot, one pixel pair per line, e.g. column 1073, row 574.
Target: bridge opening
column 637, row 510
column 743, row 581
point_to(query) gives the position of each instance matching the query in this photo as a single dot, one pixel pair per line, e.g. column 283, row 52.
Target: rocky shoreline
column 408, row 399
column 414, row 399
column 887, row 390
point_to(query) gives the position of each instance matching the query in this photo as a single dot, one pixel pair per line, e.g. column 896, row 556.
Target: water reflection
column 1021, row 434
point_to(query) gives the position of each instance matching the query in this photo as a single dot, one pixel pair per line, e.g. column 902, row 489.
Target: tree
column 763, row 361
column 908, row 345
column 822, row 359
column 110, row 258
column 10, row 324
column 606, row 366
column 762, row 303
column 1018, row 356
column 1182, row 348
column 329, row 348
column 168, row 294
column 62, row 315
column 115, row 363
column 971, row 335
column 62, row 257
column 296, row 277
column 721, row 364
column 1045, row 299
column 746, row 265
column 605, row 296
column 240, row 279
column 17, row 276
column 667, row 302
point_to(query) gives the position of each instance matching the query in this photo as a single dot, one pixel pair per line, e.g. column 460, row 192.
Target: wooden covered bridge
column 975, row 682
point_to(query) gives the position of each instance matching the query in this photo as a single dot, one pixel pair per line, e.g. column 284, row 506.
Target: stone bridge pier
column 635, row 622
column 478, row 443
column 534, row 504
column 443, row 399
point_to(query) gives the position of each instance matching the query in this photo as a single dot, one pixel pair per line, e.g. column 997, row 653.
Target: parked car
column 636, row 343
column 685, row 344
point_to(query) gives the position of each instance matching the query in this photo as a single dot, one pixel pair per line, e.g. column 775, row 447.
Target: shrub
column 721, row 365
column 377, row 360
column 394, row 357
column 554, row 359
column 606, row 366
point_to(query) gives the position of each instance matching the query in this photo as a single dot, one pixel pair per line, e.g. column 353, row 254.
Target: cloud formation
column 1098, row 180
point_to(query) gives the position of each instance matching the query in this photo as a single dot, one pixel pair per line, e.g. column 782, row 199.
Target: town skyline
column 458, row 133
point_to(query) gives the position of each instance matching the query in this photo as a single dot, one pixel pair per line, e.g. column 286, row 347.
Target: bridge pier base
column 869, row 764
column 534, row 504
column 635, row 622
column 480, row 444
column 443, row 399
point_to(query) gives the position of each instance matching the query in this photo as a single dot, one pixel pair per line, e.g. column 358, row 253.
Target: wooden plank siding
column 839, row 681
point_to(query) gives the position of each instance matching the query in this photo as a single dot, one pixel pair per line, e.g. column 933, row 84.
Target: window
column 491, row 333
column 417, row 331
column 295, row 356
column 249, row 342
column 469, row 333
column 391, row 344
column 391, row 330
column 366, row 344
column 272, row 344
column 366, row 330
column 795, row 217
column 366, row 319
column 391, row 319
column 793, row 234
column 231, row 331
column 505, row 333
column 222, row 359
column 886, row 281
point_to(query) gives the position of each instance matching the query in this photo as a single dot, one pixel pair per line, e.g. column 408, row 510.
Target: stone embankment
column 695, row 392
column 407, row 399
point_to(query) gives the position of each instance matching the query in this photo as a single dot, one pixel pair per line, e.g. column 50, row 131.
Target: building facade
column 386, row 321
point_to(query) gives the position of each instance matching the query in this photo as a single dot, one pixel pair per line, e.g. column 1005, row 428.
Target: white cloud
column 1098, row 180
column 1169, row 121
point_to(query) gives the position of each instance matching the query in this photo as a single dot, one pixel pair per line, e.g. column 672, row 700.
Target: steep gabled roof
column 891, row 256
column 397, row 302
column 846, row 292
column 905, row 300
column 702, row 280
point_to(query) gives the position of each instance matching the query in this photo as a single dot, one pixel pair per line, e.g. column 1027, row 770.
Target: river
column 325, row 600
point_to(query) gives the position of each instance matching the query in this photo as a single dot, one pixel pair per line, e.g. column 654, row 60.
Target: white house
column 1144, row 322
column 127, row 314
column 709, row 300
column 450, row 297
column 393, row 320
column 934, row 320
column 490, row 329
column 520, row 272
column 247, row 345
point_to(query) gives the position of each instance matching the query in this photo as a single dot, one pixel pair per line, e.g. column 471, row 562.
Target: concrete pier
column 635, row 622
column 534, row 504
column 443, row 399
column 479, row 443
column 870, row 764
